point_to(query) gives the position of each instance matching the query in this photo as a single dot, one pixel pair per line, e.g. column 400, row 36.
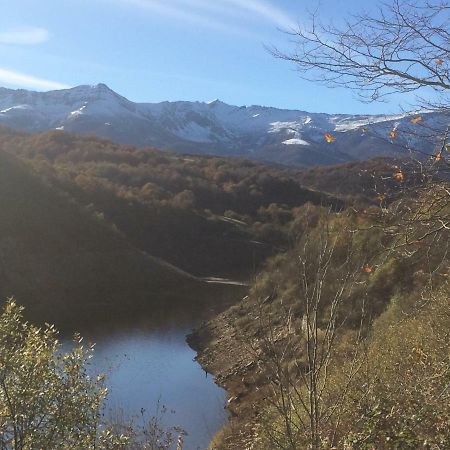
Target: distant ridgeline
column 291, row 137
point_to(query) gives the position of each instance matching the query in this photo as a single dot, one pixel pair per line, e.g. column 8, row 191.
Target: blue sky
column 156, row 50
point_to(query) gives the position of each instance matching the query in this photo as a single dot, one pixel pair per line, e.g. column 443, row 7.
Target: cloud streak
column 25, row 36
column 265, row 10
column 18, row 79
column 229, row 16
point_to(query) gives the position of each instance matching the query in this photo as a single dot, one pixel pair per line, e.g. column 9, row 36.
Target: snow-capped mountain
column 265, row 133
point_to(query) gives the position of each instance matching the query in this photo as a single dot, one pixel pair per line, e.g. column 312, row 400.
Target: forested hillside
column 209, row 216
column 64, row 262
column 90, row 226
column 345, row 335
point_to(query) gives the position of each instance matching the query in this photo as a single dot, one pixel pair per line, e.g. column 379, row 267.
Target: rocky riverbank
column 223, row 351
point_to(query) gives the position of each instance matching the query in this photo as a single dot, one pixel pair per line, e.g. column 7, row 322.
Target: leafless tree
column 405, row 47
column 301, row 352
column 402, row 47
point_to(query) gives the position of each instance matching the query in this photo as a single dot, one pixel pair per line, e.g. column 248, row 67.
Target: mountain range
column 292, row 137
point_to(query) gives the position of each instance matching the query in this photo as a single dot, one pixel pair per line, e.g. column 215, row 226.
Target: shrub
column 49, row 401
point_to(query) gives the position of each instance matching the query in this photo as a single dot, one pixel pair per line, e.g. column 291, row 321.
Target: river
column 150, row 364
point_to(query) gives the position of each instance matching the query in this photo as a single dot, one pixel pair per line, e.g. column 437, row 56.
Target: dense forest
column 184, row 209
column 91, row 225
column 62, row 261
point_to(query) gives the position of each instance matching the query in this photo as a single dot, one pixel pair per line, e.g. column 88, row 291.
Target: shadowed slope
column 65, row 264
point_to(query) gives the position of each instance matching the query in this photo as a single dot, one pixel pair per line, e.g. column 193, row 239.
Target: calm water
column 148, row 364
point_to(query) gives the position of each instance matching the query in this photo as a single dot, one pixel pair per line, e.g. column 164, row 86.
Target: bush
column 49, row 401
column 406, row 402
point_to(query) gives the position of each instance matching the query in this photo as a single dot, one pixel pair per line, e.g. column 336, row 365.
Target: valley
column 224, row 225
column 139, row 248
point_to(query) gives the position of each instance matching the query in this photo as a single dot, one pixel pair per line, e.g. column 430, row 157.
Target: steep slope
column 258, row 351
column 370, row 181
column 264, row 133
column 66, row 265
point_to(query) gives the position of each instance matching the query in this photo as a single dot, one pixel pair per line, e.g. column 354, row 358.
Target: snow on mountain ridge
column 295, row 141
column 244, row 118
column 274, row 134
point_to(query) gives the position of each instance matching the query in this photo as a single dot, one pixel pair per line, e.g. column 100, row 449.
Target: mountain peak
column 215, row 102
column 102, row 87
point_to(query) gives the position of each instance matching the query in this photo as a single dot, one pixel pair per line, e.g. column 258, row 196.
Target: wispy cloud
column 24, row 36
column 230, row 16
column 18, row 79
column 178, row 11
column 265, row 10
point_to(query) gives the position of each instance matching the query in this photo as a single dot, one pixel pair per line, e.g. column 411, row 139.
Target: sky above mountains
column 156, row 50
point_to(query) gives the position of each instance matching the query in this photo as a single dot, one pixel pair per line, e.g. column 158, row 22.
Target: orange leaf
column 368, row 269
column 438, row 61
column 398, row 176
column 329, row 138
column 393, row 134
column 438, row 156
column 416, row 119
